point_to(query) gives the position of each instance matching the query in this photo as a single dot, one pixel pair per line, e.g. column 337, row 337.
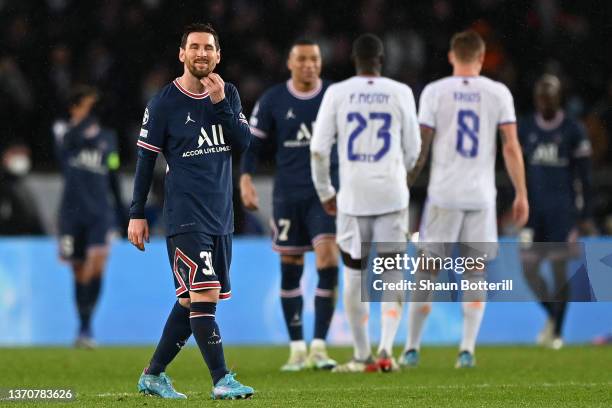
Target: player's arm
column 113, row 163
column 427, row 135
column 248, row 165
column 582, row 170
column 323, row 136
column 260, row 125
column 427, row 120
column 513, row 160
column 149, row 144
column 411, row 140
column 228, row 111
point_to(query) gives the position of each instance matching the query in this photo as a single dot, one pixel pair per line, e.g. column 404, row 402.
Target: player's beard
column 200, row 73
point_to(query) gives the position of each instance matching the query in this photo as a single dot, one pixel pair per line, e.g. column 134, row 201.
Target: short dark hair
column 79, row 92
column 467, row 45
column 303, row 41
column 368, row 47
column 199, row 28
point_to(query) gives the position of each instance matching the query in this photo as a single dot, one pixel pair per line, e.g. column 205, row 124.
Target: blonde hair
column 467, row 45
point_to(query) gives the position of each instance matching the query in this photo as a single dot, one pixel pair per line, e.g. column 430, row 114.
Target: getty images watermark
column 501, row 271
column 423, row 262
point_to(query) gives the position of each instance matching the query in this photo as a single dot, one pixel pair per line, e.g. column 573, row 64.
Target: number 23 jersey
column 465, row 113
column 376, row 125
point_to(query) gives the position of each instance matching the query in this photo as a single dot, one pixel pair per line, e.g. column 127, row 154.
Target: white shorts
column 352, row 231
column 447, row 225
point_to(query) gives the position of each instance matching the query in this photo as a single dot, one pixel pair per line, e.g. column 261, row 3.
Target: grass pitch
column 504, row 377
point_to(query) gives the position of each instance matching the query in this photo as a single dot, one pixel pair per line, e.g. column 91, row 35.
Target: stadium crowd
column 47, row 47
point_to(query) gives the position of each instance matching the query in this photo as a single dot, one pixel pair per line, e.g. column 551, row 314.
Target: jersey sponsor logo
column 302, row 137
column 90, row 160
column 207, row 145
column 144, row 133
column 189, row 118
column 290, row 114
column 145, row 118
column 547, row 154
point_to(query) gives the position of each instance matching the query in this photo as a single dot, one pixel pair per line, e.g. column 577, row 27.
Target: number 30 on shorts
column 207, row 260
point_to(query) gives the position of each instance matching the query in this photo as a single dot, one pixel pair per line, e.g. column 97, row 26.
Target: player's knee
column 96, row 259
column 292, row 259
column 350, row 262
column 326, row 254
column 291, row 275
column 185, row 302
column 424, row 308
column 207, row 295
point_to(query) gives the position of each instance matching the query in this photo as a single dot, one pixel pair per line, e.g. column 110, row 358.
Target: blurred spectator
column 18, row 212
column 44, row 51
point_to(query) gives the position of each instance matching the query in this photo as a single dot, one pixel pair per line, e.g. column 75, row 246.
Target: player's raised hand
column 138, row 233
column 330, row 206
column 248, row 194
column 215, row 86
column 520, row 210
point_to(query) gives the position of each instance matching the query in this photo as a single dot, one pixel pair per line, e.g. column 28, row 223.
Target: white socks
column 357, row 313
column 417, row 314
column 317, row 344
column 391, row 314
column 297, row 346
column 472, row 317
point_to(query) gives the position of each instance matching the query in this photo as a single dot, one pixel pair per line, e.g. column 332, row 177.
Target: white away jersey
column 465, row 113
column 375, row 121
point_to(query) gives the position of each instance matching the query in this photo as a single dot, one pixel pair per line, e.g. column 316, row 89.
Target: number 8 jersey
column 376, row 125
column 465, row 113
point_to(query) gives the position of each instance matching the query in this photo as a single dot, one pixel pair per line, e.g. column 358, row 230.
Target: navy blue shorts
column 200, row 261
column 76, row 236
column 299, row 226
column 549, row 225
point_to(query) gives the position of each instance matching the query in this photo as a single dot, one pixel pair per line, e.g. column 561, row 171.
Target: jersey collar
column 305, row 95
column 550, row 124
column 189, row 94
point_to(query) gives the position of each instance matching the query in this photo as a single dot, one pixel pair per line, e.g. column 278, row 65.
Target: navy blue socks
column 208, row 337
column 291, row 299
column 176, row 333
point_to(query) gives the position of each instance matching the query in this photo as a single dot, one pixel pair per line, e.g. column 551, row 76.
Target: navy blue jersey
column 286, row 117
column 556, row 154
column 86, row 153
column 196, row 138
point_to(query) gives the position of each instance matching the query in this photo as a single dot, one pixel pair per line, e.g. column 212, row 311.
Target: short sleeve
column 153, row 129
column 261, row 118
column 427, row 108
column 507, row 114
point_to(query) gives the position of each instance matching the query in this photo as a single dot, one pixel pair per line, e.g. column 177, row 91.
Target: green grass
column 504, row 377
